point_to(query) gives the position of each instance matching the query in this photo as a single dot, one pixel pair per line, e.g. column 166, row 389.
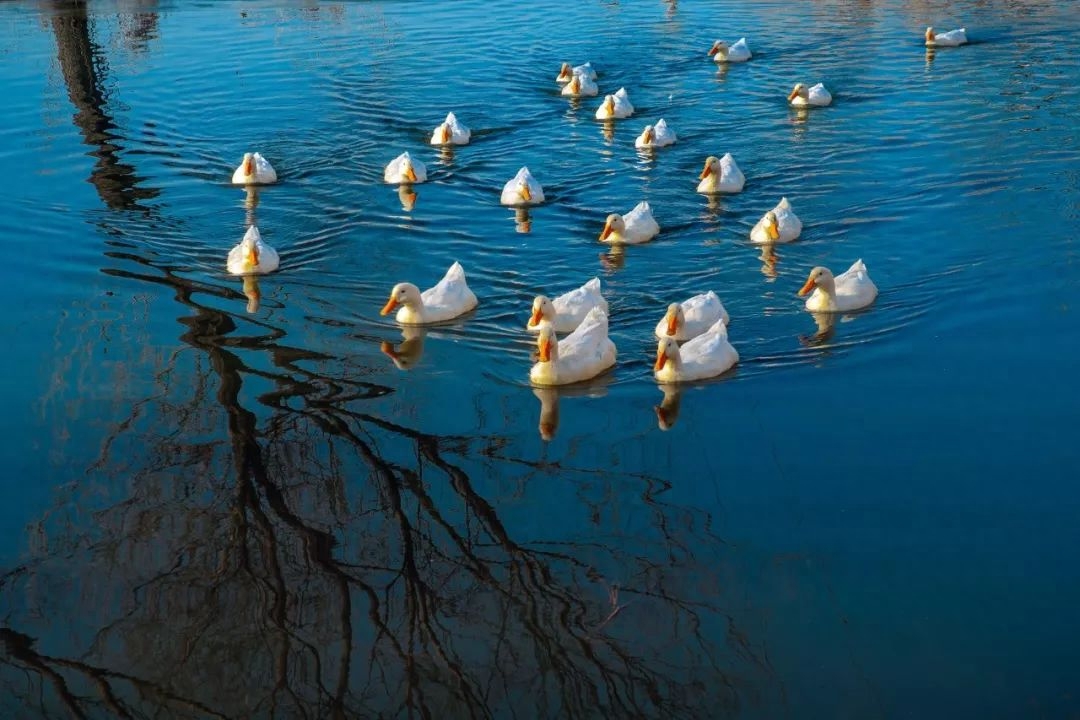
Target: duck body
column 566, row 73
column 580, row 86
column 654, row 136
column 569, row 309
column 779, row 225
column 448, row 299
column 952, row 38
column 451, row 132
column 404, row 170
column 706, row 356
column 738, row 51
column 252, row 256
column 721, row 176
column 254, row 170
column 633, row 228
column 814, row 96
column 583, row 354
column 850, row 290
column 522, row 189
column 615, row 106
column 692, row 317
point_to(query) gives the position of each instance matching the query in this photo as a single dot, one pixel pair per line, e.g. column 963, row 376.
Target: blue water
column 211, row 512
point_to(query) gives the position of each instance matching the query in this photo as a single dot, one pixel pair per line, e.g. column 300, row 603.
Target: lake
column 260, row 498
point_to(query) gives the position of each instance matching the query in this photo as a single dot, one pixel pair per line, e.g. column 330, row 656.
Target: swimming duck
column 802, row 96
column 952, row 38
column 636, row 226
column 566, row 73
column 451, row 132
column 254, row 170
column 448, row 299
column 252, row 255
column 779, row 225
column 737, row 52
column 580, row 86
column 522, row 189
column 850, row 290
column 692, row 317
column 654, row 136
column 582, row 354
column 403, row 169
column 615, row 106
column 707, row 355
column 566, row 312
column 721, row 175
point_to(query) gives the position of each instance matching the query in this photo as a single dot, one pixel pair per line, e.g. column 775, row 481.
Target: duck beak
column 410, row 173
column 389, row 306
column 253, row 256
column 793, row 94
column 575, row 85
column 773, row 231
column 706, row 172
column 714, row 49
column 606, row 231
column 564, row 71
column 610, row 105
column 545, row 350
column 661, row 360
column 445, row 133
column 249, row 166
column 525, row 192
column 810, row 285
column 387, row 349
column 537, row 316
column 673, row 325
column 649, row 135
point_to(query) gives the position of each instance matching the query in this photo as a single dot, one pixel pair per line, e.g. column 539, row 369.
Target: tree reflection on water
column 319, row 559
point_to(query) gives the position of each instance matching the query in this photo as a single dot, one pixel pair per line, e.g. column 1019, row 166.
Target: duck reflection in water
column 522, row 220
column 407, row 196
column 549, row 397
column 446, row 154
column 930, row 52
column 667, row 412
column 826, row 327
column 406, row 355
column 768, row 261
column 252, row 293
column 251, row 201
column 615, row 258
column 607, row 127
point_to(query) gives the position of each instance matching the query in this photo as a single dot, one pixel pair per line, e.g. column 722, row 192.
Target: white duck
column 403, row 169
column 707, row 355
column 738, row 51
column 566, row 73
column 654, row 136
column 522, row 189
column 448, row 299
column 580, row 86
column 636, row 226
column 721, row 175
column 566, row 312
column 582, row 354
column 802, row 96
column 254, row 170
column 952, row 38
column 692, row 317
column 252, row 255
column 451, row 132
column 615, row 106
column 779, row 225
column 850, row 290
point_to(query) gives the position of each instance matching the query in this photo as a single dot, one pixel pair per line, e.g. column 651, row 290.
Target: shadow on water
column 322, row 560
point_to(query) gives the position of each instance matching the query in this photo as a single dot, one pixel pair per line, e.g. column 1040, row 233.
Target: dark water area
column 222, row 499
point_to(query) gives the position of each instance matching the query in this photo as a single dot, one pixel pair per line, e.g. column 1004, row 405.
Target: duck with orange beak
column 815, row 96
column 580, row 86
column 720, row 175
column 953, row 38
column 522, row 189
column 405, row 170
column 447, row 300
column 254, row 169
column 708, row 355
column 850, row 290
column 615, row 106
column 581, row 355
column 451, row 132
column 633, row 228
column 691, row 317
column 252, row 256
column 779, row 225
column 567, row 311
column 655, row 136
column 567, row 73
column 738, row 51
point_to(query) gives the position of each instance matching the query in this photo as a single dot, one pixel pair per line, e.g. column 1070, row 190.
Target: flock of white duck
column 581, row 314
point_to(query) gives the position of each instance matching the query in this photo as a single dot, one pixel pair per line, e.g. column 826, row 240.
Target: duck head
column 799, row 90
column 719, row 48
column 820, row 277
column 444, row 133
column 609, row 105
column 407, row 171
column 542, row 309
column 648, row 135
column 575, row 84
column 712, row 166
column 564, row 73
column 613, row 225
column 548, row 345
column 405, row 294
column 772, row 225
column 667, row 351
column 249, row 164
column 249, row 246
column 931, row 36
column 675, row 318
